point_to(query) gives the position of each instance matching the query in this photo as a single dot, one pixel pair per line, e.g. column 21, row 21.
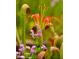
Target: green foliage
column 46, row 34
column 58, row 43
column 55, row 55
column 58, row 8
column 27, row 55
column 38, row 49
column 33, row 56
column 61, row 52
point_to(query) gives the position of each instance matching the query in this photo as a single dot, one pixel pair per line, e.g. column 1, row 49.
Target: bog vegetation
column 39, row 29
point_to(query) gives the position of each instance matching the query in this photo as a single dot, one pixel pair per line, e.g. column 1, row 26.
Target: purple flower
column 17, row 53
column 33, row 49
column 38, row 34
column 21, row 45
column 21, row 49
column 44, row 47
column 20, row 57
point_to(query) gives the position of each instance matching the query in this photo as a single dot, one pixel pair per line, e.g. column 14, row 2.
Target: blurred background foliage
column 34, row 4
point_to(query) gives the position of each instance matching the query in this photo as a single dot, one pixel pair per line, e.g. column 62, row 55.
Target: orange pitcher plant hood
column 36, row 17
column 47, row 20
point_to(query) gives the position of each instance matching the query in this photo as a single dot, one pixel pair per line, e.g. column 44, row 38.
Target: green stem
column 17, row 38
